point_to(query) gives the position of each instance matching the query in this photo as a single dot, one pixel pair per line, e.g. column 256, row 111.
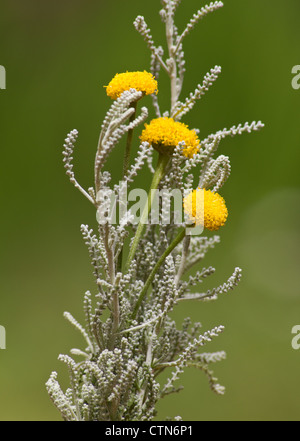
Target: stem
column 116, row 317
column 168, row 251
column 129, row 142
column 159, row 173
column 110, row 256
column 185, row 252
column 173, row 65
column 115, row 311
column 144, row 386
column 165, row 67
column 126, row 167
column 96, row 172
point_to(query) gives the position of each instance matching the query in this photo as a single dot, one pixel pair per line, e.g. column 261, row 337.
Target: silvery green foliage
column 116, row 376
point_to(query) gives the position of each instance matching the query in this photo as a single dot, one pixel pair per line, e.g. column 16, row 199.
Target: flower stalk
column 162, row 163
column 126, row 163
column 129, row 142
column 180, row 236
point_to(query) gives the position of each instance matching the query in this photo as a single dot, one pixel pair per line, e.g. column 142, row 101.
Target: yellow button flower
column 140, row 81
column 165, row 134
column 215, row 210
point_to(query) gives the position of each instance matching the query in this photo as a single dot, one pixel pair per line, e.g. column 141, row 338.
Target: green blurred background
column 58, row 55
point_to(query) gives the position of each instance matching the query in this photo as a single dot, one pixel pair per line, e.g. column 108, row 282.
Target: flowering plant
column 141, row 263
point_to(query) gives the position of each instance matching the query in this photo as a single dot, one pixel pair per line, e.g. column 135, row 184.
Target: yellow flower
column 215, row 210
column 165, row 134
column 140, row 81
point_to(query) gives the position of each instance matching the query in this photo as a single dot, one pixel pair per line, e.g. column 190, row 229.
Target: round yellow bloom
column 215, row 210
column 165, row 134
column 140, row 81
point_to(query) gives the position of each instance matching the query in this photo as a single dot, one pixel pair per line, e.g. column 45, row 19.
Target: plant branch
column 168, row 251
column 159, row 173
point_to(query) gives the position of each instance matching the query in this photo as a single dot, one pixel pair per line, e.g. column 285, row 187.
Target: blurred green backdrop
column 58, row 55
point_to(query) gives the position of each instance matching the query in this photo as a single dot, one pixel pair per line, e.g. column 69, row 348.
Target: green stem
column 168, row 251
column 126, row 167
column 159, row 173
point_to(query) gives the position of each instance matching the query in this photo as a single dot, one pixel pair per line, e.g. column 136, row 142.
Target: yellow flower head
column 165, row 134
column 140, row 81
column 215, row 210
